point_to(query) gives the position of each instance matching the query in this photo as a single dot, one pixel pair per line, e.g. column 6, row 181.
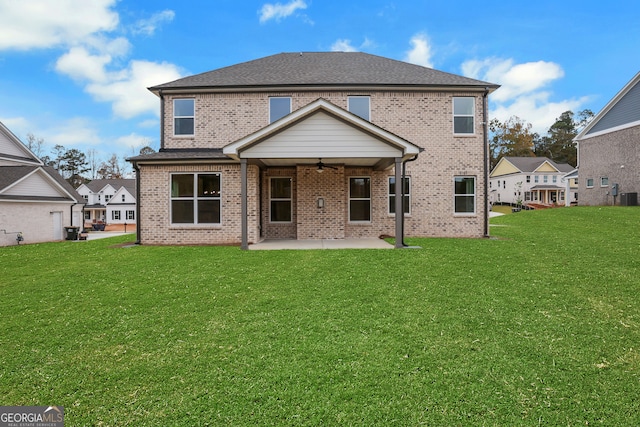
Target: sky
column 75, row 72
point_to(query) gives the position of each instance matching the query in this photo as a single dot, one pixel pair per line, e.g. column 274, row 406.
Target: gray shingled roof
column 11, row 174
column 529, row 164
column 323, row 69
column 182, row 154
column 98, row 184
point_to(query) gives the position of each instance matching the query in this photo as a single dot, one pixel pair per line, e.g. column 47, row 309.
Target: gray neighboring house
column 35, row 201
column 609, row 151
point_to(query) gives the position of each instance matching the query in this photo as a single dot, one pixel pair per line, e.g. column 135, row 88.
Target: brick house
column 316, row 146
column 609, row 151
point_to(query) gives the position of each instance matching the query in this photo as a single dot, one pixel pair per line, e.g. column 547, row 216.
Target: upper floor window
column 463, row 115
column 123, row 198
column 536, row 179
column 554, row 178
column 279, row 106
column 107, row 197
column 360, row 106
column 464, row 195
column 183, row 116
column 528, row 179
column 545, row 179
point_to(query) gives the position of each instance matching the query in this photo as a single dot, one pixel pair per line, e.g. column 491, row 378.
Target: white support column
column 399, row 203
column 243, row 205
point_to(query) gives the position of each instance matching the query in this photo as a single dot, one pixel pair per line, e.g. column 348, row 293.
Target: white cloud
column 420, row 53
column 278, row 11
column 45, row 23
column 525, row 90
column 149, row 26
column 73, row 133
column 127, row 88
column 80, row 65
column 343, row 45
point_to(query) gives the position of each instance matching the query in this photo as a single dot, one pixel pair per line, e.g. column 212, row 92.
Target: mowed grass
column 538, row 326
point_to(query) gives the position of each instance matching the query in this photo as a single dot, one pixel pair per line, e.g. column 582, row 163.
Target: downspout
column 161, row 120
column 71, row 214
column 485, row 127
column 138, row 219
column 404, row 173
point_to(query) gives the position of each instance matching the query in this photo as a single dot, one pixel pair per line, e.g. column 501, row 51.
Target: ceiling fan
column 321, row 166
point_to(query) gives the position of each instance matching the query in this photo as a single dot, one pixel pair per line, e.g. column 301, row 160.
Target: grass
column 538, row 326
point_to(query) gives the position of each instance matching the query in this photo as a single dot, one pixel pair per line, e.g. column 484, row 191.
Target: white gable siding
column 8, row 146
column 321, row 136
column 34, row 185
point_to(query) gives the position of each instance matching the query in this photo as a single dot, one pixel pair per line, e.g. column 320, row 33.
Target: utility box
column 628, row 199
column 72, row 233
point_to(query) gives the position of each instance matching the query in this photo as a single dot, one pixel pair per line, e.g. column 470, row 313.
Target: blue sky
column 75, row 72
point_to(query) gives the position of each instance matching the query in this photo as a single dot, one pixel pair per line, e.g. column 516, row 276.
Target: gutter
column 161, row 119
column 485, row 127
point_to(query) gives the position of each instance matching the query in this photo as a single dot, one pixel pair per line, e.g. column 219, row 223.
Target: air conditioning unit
column 628, row 199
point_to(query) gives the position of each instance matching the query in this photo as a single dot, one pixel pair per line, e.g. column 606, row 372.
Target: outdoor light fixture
column 320, row 203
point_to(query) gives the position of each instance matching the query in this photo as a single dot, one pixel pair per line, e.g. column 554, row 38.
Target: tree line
column 77, row 167
column 514, row 138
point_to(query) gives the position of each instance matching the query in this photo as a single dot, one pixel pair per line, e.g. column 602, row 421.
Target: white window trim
column 173, row 124
column 408, row 195
column 475, row 196
column 587, row 182
column 350, row 97
column 359, row 198
column 290, row 199
column 194, row 224
column 454, row 115
column 601, row 181
column 278, row 97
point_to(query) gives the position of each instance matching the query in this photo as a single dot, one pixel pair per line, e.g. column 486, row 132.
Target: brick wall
column 604, row 156
column 423, row 118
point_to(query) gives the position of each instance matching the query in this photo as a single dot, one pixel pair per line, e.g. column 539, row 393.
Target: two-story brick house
column 316, row 146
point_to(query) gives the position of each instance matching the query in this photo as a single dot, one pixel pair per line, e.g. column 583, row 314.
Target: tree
column 511, row 138
column 92, row 158
column 35, row 144
column 558, row 144
column 73, row 165
column 111, row 169
column 146, row 150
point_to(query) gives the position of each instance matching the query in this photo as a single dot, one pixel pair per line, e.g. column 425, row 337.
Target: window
column 195, row 198
column 554, row 179
column 463, row 115
column 360, row 199
column 360, row 106
column 527, row 196
column 589, row 182
column 115, row 215
column 465, row 195
column 604, row 181
column 107, row 197
column 407, row 195
column 131, row 215
column 87, row 214
column 536, row 179
column 123, row 198
column 280, row 193
column 279, row 106
column 528, row 179
column 183, row 116
column 85, row 196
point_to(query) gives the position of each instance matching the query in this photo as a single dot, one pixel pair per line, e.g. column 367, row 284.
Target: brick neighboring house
column 35, row 201
column 532, row 181
column 111, row 201
column 314, row 146
column 609, row 151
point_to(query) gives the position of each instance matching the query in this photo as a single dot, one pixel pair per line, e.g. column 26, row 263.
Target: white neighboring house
column 109, row 201
column 531, row 181
column 36, row 203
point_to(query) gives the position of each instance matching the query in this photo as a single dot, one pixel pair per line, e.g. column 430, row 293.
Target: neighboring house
column 531, row 181
column 35, row 200
column 314, row 146
column 609, row 151
column 111, row 201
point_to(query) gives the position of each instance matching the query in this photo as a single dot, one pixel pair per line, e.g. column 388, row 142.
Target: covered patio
column 329, row 167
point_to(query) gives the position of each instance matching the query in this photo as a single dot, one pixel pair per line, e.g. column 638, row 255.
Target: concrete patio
column 371, row 243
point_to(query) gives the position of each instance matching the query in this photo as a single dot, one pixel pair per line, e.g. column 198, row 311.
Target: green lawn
column 537, row 326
